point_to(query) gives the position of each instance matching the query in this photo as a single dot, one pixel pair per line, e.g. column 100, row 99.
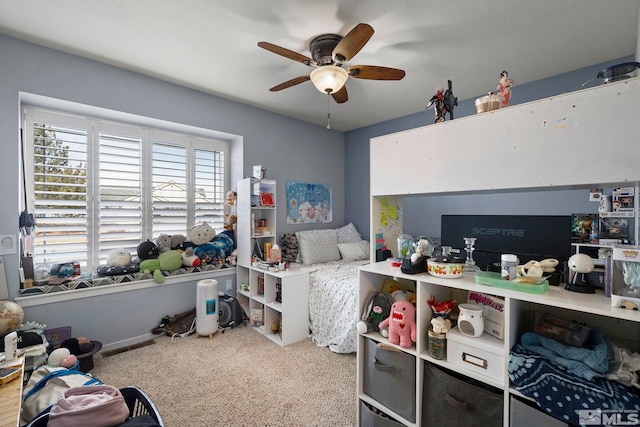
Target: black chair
column 137, row 401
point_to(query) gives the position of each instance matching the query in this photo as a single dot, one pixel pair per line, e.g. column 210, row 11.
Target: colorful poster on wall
column 308, row 203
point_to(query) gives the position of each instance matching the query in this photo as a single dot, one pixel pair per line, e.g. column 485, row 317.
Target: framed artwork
column 308, row 203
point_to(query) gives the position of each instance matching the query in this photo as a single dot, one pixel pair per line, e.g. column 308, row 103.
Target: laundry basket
column 137, row 401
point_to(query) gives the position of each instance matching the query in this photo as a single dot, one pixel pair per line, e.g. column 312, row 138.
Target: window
column 98, row 185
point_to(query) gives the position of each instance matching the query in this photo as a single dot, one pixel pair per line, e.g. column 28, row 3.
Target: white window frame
column 196, row 138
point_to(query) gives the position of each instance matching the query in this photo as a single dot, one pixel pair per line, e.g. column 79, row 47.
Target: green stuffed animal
column 166, row 261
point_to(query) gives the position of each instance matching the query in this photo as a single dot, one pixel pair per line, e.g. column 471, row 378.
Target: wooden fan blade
column 351, row 44
column 287, row 53
column 290, row 83
column 373, row 72
column 341, row 95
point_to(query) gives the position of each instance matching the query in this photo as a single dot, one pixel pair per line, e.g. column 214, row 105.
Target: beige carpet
column 238, row 378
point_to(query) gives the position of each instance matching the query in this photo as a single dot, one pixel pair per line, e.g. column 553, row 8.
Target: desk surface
column 11, row 399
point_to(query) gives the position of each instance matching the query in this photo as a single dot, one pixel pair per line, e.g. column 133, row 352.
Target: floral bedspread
column 333, row 304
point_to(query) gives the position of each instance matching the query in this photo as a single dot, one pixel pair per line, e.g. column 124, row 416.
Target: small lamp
column 329, row 78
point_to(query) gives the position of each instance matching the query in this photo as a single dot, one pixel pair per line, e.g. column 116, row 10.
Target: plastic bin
column 137, row 401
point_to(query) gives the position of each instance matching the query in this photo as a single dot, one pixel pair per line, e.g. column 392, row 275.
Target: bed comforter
column 333, row 304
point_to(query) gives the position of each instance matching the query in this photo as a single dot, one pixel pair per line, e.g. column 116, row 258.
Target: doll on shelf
column 631, row 274
column 504, row 88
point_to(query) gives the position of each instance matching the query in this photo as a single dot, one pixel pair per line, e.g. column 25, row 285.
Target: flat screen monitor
column 528, row 236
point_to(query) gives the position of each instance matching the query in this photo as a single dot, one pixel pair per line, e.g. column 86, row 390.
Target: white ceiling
column 211, row 45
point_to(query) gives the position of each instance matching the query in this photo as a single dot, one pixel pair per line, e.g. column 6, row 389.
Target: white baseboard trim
column 128, row 342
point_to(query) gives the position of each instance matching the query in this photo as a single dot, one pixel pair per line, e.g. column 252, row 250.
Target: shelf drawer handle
column 475, row 360
column 381, row 366
column 455, row 403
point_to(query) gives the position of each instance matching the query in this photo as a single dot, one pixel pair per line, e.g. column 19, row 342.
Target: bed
column 332, row 258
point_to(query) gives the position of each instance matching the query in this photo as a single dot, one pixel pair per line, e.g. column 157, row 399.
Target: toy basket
column 137, row 401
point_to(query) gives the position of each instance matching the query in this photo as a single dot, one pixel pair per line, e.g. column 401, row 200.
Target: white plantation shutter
column 170, row 183
column 209, row 191
column 120, row 189
column 59, row 154
column 98, row 185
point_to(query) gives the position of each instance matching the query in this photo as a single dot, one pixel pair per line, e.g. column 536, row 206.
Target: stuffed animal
column 219, row 248
column 201, row 234
column 166, row 261
column 163, row 242
column 232, row 196
column 440, row 325
column 401, row 323
column 147, row 250
column 177, row 240
column 389, row 286
column 189, row 259
column 230, row 221
column 377, row 308
column 119, row 258
column 62, row 357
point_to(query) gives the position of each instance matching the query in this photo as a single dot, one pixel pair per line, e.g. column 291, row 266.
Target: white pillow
column 348, row 234
column 354, row 251
column 318, row 246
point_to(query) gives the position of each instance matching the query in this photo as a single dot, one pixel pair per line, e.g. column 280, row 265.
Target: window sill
column 48, row 294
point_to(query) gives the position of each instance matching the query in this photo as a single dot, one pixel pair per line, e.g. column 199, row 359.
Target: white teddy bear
column 201, row 234
column 119, row 258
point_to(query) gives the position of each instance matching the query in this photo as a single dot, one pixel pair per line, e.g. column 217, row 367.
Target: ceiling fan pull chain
column 328, row 111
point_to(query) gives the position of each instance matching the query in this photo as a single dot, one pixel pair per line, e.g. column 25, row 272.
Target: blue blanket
column 565, row 395
column 589, row 362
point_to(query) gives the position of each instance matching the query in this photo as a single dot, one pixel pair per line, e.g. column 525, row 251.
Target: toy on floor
column 401, row 323
column 62, row 357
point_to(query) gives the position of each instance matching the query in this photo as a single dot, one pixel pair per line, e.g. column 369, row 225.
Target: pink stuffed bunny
column 401, row 324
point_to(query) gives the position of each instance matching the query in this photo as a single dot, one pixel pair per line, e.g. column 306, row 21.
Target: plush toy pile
column 170, row 252
column 391, row 312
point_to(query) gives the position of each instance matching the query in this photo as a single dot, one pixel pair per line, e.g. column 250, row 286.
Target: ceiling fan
column 328, row 54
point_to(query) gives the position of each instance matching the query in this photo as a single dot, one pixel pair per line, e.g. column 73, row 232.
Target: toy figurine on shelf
column 443, row 102
column 504, row 88
column 442, row 308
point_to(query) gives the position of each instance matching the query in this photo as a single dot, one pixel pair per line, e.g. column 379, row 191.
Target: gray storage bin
column 368, row 418
column 526, row 414
column 451, row 399
column 390, row 378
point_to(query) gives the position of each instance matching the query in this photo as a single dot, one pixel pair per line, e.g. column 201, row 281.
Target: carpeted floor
column 238, row 378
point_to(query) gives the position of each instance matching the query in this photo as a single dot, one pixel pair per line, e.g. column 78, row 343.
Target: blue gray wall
column 312, row 154
column 422, row 214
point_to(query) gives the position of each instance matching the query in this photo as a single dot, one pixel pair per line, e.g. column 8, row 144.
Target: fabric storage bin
column 369, row 418
column 450, row 399
column 390, row 378
column 527, row 414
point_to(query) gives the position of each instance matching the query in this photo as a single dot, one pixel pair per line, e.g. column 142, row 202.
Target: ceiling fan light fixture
column 329, row 78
